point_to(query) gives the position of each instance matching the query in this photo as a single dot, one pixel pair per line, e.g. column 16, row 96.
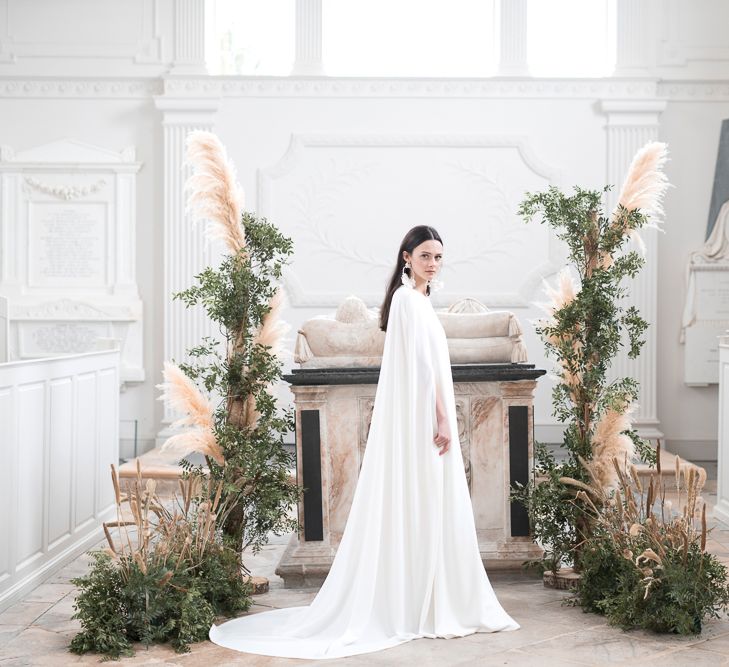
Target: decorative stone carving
column 67, row 192
column 477, row 182
column 352, row 338
column 68, row 258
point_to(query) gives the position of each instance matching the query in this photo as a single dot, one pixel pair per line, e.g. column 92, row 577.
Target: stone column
column 630, row 125
column 185, row 251
column 189, row 37
column 513, row 38
column 308, row 39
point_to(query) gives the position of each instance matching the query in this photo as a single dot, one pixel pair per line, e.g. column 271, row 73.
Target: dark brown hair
column 412, row 240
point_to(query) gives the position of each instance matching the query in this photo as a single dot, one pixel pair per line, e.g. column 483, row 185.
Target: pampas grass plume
column 182, row 395
column 273, row 328
column 645, row 183
column 608, row 443
column 214, row 192
column 195, row 440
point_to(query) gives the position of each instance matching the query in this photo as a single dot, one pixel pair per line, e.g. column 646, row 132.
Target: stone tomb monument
column 334, row 392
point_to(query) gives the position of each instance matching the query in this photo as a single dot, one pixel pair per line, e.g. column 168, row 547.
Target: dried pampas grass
column 214, row 192
column 182, row 395
column 198, row 440
column 610, row 444
column 273, row 328
column 271, row 334
column 563, row 294
column 646, row 183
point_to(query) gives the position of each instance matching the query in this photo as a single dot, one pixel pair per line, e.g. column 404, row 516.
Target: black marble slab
column 370, row 375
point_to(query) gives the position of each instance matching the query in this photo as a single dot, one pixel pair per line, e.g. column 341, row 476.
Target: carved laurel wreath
column 67, row 192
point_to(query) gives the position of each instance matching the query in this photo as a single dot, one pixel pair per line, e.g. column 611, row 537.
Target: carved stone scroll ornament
column 352, row 338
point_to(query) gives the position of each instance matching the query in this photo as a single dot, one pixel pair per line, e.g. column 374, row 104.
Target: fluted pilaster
column 630, row 125
column 513, row 49
column 185, row 250
column 308, row 38
column 189, row 37
column 633, row 37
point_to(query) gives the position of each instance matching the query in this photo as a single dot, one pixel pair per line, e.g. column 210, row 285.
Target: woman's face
column 426, row 260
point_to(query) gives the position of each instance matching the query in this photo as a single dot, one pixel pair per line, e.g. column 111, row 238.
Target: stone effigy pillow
column 353, row 338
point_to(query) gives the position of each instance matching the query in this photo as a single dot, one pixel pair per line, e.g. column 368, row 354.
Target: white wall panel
column 31, row 471
column 86, row 445
column 58, row 431
column 60, row 459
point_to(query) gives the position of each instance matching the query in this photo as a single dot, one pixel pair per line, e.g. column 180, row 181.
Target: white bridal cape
column 408, row 564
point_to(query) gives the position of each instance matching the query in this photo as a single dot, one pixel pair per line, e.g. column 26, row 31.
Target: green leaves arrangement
column 242, row 297
column 166, row 572
column 585, row 328
column 645, row 564
column 177, row 563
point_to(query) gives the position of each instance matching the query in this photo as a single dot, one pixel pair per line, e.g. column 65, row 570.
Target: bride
column 408, row 564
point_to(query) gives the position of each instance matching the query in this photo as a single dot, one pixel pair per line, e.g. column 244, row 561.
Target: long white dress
column 408, row 564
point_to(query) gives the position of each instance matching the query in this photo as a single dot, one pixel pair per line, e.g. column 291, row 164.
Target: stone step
column 668, row 467
column 165, row 468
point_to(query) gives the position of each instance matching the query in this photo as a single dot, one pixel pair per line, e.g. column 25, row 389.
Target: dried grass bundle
column 176, row 534
column 609, row 444
column 198, row 440
column 645, row 183
column 242, row 411
column 182, row 395
column 562, row 294
column 273, row 328
column 214, row 192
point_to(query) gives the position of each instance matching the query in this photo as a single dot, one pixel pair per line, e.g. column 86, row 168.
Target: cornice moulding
column 196, row 87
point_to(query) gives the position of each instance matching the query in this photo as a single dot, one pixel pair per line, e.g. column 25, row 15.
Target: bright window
column 571, row 37
column 250, row 36
column 438, row 38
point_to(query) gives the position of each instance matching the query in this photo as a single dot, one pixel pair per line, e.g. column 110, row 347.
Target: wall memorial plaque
column 67, row 245
column 67, row 268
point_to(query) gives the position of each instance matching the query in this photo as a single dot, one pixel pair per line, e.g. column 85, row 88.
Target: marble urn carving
column 334, row 391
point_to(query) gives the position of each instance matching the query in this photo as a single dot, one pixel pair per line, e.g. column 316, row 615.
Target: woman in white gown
column 408, row 564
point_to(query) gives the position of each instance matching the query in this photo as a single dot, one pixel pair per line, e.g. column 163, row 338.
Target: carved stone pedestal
column 494, row 403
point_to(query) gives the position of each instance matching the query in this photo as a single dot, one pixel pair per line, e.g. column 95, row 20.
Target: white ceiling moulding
column 249, row 86
column 326, row 186
column 699, row 91
column 239, row 86
column 94, row 88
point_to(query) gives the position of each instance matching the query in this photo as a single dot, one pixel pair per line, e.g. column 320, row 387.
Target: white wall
column 89, row 86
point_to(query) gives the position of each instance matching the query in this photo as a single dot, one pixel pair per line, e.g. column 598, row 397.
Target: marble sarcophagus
column 334, row 391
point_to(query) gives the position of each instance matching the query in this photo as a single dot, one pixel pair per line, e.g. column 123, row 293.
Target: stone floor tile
column 7, row 632
column 599, row 646
column 50, row 592
column 38, row 646
column 688, row 657
column 718, row 643
column 24, row 613
column 532, row 631
column 428, row 652
column 522, row 658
